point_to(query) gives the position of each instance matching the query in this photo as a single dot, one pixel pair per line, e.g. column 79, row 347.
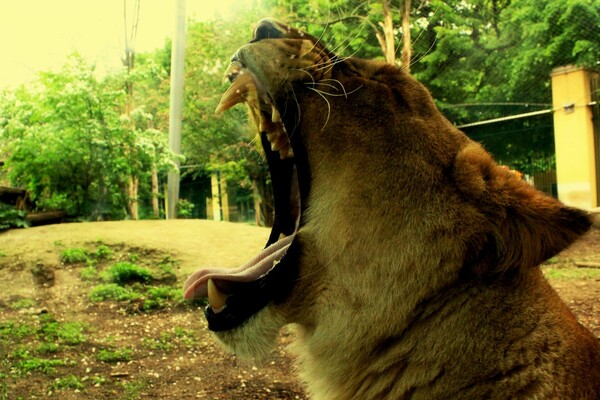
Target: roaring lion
column 406, row 259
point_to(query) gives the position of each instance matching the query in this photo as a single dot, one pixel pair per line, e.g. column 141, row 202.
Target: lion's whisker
column 328, row 105
column 327, row 264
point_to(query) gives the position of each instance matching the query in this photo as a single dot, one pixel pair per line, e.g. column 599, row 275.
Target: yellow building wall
column 574, row 137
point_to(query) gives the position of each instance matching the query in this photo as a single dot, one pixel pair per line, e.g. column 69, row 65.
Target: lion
column 405, row 259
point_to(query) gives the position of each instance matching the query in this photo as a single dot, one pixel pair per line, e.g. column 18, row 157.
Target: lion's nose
column 267, row 29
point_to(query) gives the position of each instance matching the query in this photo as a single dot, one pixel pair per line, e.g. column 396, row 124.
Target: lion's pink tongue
column 196, row 286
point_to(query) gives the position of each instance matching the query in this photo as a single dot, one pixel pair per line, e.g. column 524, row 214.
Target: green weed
column 13, row 331
column 132, row 390
column 68, row 382
column 125, row 272
column 22, row 303
column 572, row 273
column 47, row 348
column 42, row 365
column 161, row 297
column 112, row 291
column 110, row 356
column 88, row 273
column 164, row 343
column 70, row 333
column 103, row 252
column 74, row 256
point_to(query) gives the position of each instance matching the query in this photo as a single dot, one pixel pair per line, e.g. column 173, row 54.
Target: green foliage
column 71, row 147
column 73, row 256
column 48, row 348
column 572, row 273
column 163, row 343
column 161, row 297
column 184, row 208
column 68, row 382
column 10, row 330
column 43, row 365
column 69, row 333
column 112, row 291
column 124, row 272
column 113, row 356
column 103, row 252
column 22, row 303
column 89, row 273
column 10, row 217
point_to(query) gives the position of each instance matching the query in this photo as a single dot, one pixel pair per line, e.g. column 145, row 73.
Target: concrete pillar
column 220, row 200
column 574, row 137
column 216, row 197
column 224, row 200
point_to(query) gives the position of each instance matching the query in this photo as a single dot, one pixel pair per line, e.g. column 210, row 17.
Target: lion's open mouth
column 234, row 295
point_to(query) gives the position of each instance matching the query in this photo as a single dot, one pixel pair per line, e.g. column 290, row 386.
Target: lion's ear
column 520, row 226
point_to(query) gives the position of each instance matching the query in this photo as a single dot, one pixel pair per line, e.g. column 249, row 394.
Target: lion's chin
column 256, row 338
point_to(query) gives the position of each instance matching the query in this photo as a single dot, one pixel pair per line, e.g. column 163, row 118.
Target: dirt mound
column 69, row 329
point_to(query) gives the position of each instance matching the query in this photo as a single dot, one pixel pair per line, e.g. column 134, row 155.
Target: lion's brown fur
column 419, row 272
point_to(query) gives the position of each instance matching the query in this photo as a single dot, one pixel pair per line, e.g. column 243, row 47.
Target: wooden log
column 587, row 264
column 12, row 191
column 45, row 217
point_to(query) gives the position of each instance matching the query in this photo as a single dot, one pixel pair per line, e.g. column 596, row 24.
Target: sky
column 37, row 35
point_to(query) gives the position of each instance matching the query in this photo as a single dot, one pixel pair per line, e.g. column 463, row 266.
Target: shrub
column 112, row 291
column 125, row 272
column 73, row 256
column 114, row 355
column 10, row 217
column 161, row 297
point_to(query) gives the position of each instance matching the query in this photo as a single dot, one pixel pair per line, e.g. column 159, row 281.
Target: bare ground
column 171, row 354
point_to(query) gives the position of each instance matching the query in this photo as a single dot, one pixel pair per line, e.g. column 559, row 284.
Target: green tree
column 67, row 142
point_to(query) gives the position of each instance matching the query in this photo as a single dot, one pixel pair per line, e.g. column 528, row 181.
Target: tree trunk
column 388, row 31
column 406, row 39
column 132, row 197
column 155, row 210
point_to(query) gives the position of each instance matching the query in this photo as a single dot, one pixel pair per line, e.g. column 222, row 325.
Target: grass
column 132, row 390
column 43, row 365
column 169, row 340
column 572, row 273
column 68, row 382
column 74, row 256
column 21, row 304
column 161, row 297
column 112, row 356
column 112, row 291
column 57, row 351
column 69, row 333
column 11, row 330
column 89, row 273
column 126, row 272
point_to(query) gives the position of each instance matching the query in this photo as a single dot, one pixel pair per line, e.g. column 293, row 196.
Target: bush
column 114, row 355
column 112, row 291
column 161, row 297
column 124, row 272
column 73, row 256
column 10, row 217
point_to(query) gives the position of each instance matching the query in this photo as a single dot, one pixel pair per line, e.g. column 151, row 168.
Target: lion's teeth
column 267, row 126
column 216, row 298
column 286, row 152
column 243, row 88
column 279, row 142
column 275, row 116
